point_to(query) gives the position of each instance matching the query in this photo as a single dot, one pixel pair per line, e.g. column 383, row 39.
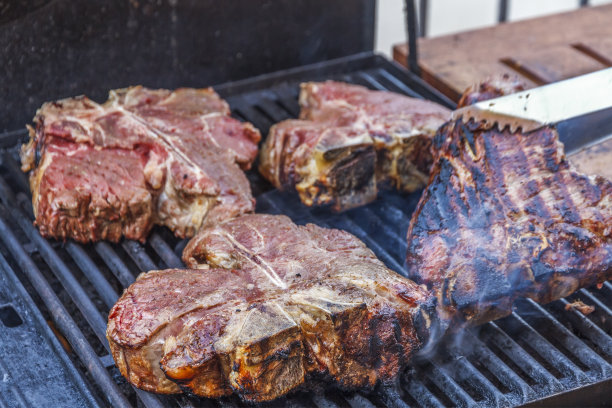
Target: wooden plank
column 448, row 61
column 553, row 64
column 462, row 76
column 597, row 48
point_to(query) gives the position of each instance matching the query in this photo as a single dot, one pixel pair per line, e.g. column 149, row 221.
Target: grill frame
column 75, row 284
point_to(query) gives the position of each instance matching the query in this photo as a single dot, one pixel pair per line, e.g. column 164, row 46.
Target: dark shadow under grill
column 535, row 352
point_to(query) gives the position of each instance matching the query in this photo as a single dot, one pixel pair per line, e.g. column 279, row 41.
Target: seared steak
column 492, row 88
column 504, row 216
column 144, row 157
column 349, row 142
column 280, row 306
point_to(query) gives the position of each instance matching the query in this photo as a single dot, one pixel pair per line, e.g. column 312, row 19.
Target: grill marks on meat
column 349, row 142
column 144, row 157
column 281, row 305
column 505, row 215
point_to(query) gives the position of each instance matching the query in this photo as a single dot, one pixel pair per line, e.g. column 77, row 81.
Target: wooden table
column 540, row 50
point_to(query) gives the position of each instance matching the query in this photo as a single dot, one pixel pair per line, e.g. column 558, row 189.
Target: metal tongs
column 546, row 105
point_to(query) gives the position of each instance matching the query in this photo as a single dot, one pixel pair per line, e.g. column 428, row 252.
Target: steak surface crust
column 144, row 157
column 505, row 216
column 349, row 142
column 280, row 306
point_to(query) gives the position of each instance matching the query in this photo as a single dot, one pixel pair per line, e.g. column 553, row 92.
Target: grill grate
column 535, row 352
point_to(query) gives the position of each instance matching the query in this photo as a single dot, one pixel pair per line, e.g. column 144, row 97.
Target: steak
column 279, row 307
column 144, row 157
column 349, row 142
column 505, row 216
column 494, row 87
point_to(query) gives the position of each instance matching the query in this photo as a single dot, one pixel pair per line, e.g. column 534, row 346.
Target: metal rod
column 502, row 13
column 92, row 272
column 423, row 12
column 63, row 274
column 463, row 370
column 572, row 343
column 546, row 350
column 485, row 356
column 411, row 30
column 589, row 329
column 519, row 356
column 149, row 400
column 445, row 382
column 165, row 252
column 422, row 395
column 46, row 330
column 60, row 315
column 115, row 264
column 138, row 255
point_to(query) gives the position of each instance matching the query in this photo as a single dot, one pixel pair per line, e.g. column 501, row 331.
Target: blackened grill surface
column 535, row 352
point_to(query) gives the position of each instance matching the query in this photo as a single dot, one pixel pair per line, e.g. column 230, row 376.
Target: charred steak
column 280, row 306
column 349, row 142
column 144, row 157
column 505, row 216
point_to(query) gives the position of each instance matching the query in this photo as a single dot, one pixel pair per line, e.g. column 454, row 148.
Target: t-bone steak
column 280, row 306
column 505, row 215
column 144, row 157
column 349, row 142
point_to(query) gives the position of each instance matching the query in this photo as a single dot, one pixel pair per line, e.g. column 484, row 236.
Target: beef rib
column 144, row 157
column 349, row 142
column 280, row 306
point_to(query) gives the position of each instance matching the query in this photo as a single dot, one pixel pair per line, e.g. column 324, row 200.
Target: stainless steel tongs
column 545, row 105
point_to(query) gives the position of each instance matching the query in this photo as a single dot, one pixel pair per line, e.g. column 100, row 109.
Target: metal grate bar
column 466, row 373
column 598, row 303
column 60, row 315
column 589, row 329
column 570, row 342
column 288, row 100
column 600, row 308
column 374, row 84
column 392, row 398
column 139, row 255
column 395, row 84
column 527, row 364
column 75, row 291
column 446, row 383
column 114, row 263
column 546, row 350
column 92, row 272
column 259, row 120
column 422, row 395
column 164, row 251
column 376, row 220
column 64, row 275
column 273, row 110
column 497, row 367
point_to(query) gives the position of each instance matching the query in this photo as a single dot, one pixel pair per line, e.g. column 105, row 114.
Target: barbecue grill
column 54, row 297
